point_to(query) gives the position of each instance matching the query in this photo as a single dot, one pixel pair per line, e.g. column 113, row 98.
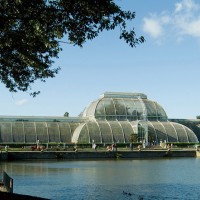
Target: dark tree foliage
column 133, row 138
column 198, row 116
column 31, row 32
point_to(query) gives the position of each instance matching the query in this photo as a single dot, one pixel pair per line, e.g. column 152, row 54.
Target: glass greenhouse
column 112, row 118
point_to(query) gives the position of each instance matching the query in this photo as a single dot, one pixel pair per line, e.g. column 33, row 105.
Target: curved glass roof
column 103, row 131
column 125, row 106
column 111, row 118
column 119, row 131
column 30, row 132
column 171, row 132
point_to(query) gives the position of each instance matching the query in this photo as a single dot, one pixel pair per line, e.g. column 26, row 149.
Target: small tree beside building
column 133, row 139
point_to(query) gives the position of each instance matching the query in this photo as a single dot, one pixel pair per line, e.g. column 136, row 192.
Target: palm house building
column 112, row 118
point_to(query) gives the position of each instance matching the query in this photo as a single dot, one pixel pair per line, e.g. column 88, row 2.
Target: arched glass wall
column 108, row 132
column 30, row 132
column 170, row 132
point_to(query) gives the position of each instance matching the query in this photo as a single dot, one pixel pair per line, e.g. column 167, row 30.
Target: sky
column 166, row 67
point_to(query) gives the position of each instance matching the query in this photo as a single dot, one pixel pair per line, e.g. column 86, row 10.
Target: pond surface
column 107, row 179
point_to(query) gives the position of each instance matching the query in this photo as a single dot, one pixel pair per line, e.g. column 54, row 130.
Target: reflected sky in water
column 98, row 179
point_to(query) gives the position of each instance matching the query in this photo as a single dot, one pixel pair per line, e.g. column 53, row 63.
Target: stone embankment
column 135, row 154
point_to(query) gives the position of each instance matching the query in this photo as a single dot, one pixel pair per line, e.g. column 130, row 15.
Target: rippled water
column 108, row 179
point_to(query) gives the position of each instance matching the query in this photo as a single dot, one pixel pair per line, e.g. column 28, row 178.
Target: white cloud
column 194, row 28
column 184, row 20
column 188, row 26
column 21, row 102
column 153, row 27
column 186, row 5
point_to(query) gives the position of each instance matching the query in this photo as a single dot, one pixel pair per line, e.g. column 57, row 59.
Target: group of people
column 112, row 147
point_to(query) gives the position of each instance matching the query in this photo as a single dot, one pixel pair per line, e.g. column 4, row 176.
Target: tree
column 133, row 138
column 31, row 33
column 198, row 116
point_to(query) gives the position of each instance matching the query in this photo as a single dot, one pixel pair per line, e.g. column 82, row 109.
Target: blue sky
column 166, row 67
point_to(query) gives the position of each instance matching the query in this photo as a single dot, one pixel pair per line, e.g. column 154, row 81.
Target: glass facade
column 105, row 132
column 112, row 118
column 118, row 115
column 125, row 107
column 30, row 132
column 170, row 132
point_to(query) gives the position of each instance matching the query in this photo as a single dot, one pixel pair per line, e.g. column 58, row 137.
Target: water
column 109, row 179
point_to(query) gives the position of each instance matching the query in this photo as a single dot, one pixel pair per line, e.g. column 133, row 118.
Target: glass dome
column 125, row 106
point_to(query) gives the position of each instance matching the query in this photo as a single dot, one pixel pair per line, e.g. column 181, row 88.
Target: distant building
column 112, row 118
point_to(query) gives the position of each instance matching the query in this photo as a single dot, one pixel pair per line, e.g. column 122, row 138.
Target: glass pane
column 6, row 132
column 54, row 132
column 65, row 132
column 139, row 109
column 105, row 132
column 84, row 136
column 191, row 136
column 100, row 110
column 109, row 106
column 41, row 130
column 73, row 126
column 127, row 129
column 94, row 132
column 18, row 132
column 182, row 137
column 171, row 133
column 129, row 104
column 117, row 132
column 160, row 112
column 120, row 107
column 29, row 130
column 151, row 110
column 160, row 132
